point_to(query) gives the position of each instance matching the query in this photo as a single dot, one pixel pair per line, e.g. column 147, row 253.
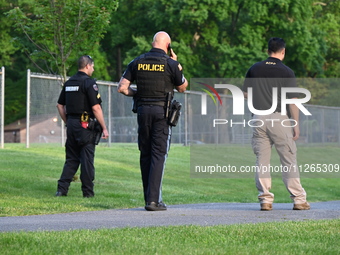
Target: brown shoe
column 304, row 206
column 266, row 207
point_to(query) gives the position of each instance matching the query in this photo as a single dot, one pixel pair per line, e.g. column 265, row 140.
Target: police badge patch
column 95, row 87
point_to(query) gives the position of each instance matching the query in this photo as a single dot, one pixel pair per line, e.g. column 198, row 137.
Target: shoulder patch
column 95, row 87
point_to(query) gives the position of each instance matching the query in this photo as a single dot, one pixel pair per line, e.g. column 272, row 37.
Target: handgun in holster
column 96, row 128
column 98, row 132
column 175, row 112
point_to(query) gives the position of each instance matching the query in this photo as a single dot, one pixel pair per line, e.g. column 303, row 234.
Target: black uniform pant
column 154, row 142
column 80, row 150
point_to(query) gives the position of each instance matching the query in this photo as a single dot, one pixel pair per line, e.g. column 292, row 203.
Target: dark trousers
column 154, row 142
column 79, row 151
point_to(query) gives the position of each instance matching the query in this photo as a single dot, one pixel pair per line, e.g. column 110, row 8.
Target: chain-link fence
column 217, row 126
column 2, row 105
column 220, row 126
column 44, row 124
column 213, row 118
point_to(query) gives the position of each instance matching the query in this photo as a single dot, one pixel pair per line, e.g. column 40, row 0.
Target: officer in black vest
column 156, row 75
column 79, row 104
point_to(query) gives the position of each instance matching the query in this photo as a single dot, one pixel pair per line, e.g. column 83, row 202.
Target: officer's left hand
column 105, row 134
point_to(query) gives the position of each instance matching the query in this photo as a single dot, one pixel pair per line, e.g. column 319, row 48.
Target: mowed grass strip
column 303, row 237
column 29, row 179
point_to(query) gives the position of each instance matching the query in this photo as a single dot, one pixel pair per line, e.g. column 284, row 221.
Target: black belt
column 151, row 101
column 75, row 116
column 160, row 103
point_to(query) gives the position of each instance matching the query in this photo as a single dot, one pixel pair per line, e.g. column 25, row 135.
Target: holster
column 175, row 112
column 96, row 128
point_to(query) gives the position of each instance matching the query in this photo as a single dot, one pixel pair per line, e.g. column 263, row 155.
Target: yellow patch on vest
column 151, row 67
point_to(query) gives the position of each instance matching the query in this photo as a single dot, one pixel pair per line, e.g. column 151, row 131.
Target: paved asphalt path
column 189, row 214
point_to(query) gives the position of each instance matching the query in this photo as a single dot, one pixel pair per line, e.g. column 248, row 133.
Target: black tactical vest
column 151, row 78
column 75, row 95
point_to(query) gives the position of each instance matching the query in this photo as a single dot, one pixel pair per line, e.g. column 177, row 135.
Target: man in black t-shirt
column 79, row 96
column 156, row 75
column 266, row 79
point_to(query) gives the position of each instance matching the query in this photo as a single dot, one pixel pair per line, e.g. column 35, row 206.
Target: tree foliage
column 212, row 38
column 61, row 30
column 217, row 38
column 6, row 48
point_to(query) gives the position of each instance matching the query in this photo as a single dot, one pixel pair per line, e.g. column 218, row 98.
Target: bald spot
column 161, row 39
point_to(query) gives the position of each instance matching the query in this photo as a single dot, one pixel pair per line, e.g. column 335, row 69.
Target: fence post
column 338, row 127
column 2, row 105
column 28, row 107
column 323, row 130
column 186, row 119
column 109, row 114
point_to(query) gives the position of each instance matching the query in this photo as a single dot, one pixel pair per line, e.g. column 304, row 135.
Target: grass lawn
column 309, row 237
column 29, row 179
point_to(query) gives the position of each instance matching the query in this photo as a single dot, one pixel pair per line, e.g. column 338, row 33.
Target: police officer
column 156, row 75
column 78, row 103
column 263, row 77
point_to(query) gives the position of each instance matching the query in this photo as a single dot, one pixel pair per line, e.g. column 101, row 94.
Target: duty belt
column 76, row 116
column 151, row 101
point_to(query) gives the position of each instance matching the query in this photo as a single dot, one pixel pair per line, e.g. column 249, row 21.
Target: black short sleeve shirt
column 263, row 76
column 71, row 96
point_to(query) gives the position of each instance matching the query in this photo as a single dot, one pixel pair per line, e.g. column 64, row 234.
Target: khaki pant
column 268, row 131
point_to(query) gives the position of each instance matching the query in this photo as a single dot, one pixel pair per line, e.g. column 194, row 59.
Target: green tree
column 223, row 38
column 15, row 67
column 327, row 15
column 6, row 47
column 217, row 38
column 59, row 31
column 213, row 38
column 129, row 35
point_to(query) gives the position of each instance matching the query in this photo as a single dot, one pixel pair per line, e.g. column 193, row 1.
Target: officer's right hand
column 173, row 55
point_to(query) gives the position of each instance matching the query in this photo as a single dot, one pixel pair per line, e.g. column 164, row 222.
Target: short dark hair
column 275, row 44
column 84, row 60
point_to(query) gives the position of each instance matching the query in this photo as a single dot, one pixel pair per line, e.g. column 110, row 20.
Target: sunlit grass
column 29, row 180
